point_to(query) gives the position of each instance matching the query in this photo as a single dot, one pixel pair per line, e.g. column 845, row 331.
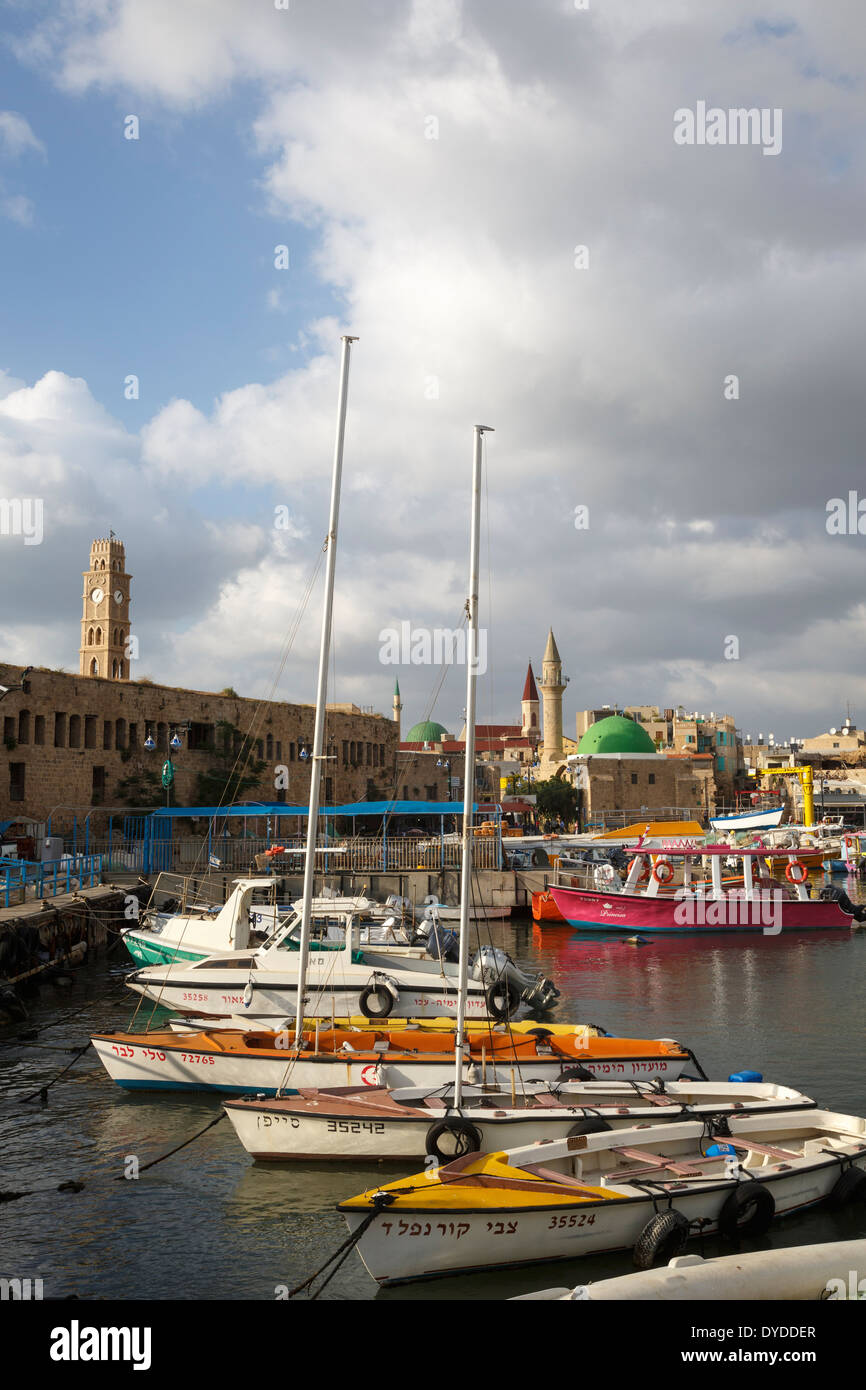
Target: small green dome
column 428, row 731
column 616, row 735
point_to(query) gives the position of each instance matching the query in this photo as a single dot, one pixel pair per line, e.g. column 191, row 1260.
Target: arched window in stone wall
column 99, row 637
column 94, row 667
column 90, row 637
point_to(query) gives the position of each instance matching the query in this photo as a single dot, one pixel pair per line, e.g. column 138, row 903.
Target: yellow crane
column 805, row 776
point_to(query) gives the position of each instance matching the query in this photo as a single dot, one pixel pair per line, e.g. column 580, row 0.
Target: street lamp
column 175, row 743
column 446, row 762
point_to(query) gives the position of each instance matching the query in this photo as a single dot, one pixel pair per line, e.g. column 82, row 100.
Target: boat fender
column 577, row 1073
column 663, row 1237
column 464, row 1138
column 746, row 1076
column 591, row 1124
column 377, row 1000
column 248, row 994
column 849, row 1187
column 502, row 1000
column 747, row 1211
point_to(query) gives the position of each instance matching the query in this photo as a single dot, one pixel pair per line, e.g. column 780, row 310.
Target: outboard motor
column 440, row 944
column 509, row 985
column 838, row 895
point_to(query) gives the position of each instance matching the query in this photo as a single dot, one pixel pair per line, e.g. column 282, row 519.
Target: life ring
column 747, row 1211
column 663, row 1237
column 384, row 1001
column 850, row 843
column 663, row 864
column 790, row 875
column 464, row 1138
column 502, row 1000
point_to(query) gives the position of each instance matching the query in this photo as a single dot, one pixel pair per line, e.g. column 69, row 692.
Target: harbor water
column 208, row 1223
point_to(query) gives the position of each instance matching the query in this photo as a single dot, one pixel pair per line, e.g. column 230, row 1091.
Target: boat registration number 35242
column 355, row 1127
column 559, row 1223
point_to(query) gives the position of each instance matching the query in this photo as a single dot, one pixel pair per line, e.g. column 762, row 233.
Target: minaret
column 105, row 612
column 552, row 687
column 398, row 707
column 529, row 706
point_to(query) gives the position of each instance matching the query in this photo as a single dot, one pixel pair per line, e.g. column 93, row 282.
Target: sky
column 666, row 337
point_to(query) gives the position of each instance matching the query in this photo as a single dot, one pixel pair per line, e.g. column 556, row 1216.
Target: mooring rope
column 380, row 1201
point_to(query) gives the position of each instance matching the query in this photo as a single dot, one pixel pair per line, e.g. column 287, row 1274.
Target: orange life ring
column 789, row 871
column 850, row 842
column 663, row 864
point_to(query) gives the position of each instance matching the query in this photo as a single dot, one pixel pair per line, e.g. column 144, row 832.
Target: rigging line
column 246, row 742
column 244, row 753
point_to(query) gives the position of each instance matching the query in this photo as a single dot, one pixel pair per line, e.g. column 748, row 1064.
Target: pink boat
column 761, row 904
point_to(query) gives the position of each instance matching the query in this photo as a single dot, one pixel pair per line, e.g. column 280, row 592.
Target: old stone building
column 70, row 741
column 619, row 768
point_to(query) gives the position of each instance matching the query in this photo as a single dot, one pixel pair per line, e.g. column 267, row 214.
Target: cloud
column 449, row 158
column 17, row 137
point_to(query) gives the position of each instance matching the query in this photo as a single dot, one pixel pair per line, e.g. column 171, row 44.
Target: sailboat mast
column 469, row 764
column 322, row 689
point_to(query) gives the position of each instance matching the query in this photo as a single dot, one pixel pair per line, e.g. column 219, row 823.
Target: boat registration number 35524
column 559, row 1223
column 355, row 1127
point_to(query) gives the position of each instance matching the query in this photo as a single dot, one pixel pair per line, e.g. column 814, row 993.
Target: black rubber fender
column 663, row 1237
column 466, row 1139
column 747, row 1211
column 850, row 1187
column 502, row 1000
column 590, row 1124
column 384, row 1001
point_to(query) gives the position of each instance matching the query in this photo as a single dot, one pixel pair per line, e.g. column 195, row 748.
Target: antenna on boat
column 322, row 689
column 468, row 763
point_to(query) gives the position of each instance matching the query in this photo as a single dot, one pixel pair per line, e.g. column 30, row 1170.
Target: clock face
column 118, row 596
column 97, row 595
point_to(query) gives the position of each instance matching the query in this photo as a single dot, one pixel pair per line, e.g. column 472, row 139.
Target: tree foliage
column 556, row 799
column 234, row 769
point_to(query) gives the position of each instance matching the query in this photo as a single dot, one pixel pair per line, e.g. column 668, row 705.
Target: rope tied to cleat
column 381, row 1200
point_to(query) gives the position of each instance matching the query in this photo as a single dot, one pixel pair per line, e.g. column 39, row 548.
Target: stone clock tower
column 105, row 615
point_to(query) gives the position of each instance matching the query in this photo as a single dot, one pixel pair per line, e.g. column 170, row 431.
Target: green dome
column 616, row 735
column 428, row 731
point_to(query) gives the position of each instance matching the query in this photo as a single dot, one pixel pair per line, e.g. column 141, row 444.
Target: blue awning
column 354, row 808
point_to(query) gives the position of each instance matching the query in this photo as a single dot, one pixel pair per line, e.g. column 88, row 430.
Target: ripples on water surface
column 208, row 1223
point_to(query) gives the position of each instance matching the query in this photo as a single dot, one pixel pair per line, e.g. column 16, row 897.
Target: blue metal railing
column 47, row 880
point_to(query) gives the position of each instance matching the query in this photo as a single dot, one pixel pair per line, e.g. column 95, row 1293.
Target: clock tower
column 105, row 614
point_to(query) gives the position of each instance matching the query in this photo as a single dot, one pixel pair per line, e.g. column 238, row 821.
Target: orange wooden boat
column 544, row 909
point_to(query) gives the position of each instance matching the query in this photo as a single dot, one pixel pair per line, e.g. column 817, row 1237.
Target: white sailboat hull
column 181, row 1066
column 797, row 1274
column 338, row 1128
column 402, row 1244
